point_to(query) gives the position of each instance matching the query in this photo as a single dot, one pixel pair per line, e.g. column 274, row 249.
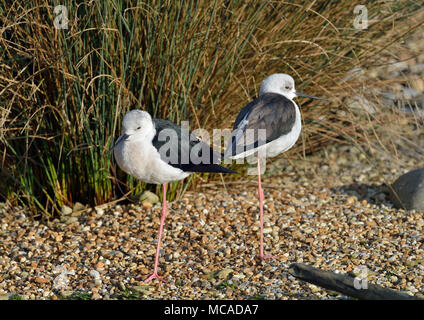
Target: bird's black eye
column 287, row 88
column 138, row 128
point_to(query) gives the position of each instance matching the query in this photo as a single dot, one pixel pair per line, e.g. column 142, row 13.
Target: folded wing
column 261, row 121
column 181, row 149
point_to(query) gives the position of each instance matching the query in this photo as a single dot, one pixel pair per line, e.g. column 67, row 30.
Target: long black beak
column 300, row 94
column 121, row 138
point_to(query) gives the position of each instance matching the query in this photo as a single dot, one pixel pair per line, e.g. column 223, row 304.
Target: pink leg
column 154, row 275
column 261, row 210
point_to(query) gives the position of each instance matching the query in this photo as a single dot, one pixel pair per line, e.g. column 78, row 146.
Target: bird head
column 136, row 125
column 283, row 84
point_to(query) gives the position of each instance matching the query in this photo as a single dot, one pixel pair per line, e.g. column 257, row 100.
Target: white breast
column 141, row 160
column 287, row 141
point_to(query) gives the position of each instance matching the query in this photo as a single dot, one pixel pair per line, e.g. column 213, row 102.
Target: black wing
column 181, row 149
column 272, row 112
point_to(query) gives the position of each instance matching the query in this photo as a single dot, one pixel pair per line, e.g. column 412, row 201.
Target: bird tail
column 224, row 170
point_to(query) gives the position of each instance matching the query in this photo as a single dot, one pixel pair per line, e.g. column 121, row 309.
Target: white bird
column 266, row 127
column 145, row 152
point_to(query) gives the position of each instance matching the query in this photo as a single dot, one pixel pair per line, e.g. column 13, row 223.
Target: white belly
column 279, row 145
column 143, row 162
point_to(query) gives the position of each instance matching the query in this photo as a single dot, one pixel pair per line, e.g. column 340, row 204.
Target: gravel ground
column 330, row 211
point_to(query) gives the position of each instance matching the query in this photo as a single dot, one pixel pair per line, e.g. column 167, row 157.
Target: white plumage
column 275, row 121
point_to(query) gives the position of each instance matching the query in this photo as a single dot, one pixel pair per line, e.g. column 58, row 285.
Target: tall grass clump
column 63, row 91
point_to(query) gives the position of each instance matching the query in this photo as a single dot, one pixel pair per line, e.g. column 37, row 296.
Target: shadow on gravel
column 373, row 194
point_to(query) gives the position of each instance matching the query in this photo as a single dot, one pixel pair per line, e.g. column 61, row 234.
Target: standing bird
column 267, row 126
column 145, row 152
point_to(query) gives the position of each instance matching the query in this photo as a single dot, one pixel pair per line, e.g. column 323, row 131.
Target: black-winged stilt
column 277, row 117
column 145, row 152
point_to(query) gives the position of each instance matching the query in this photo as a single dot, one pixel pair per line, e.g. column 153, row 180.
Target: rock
column 371, row 223
column 223, row 274
column 148, row 197
column 69, row 220
column 144, row 289
column 408, row 190
column 99, row 265
column 66, row 293
column 147, row 205
column 96, row 296
column 121, row 286
column 151, row 252
column 193, row 234
column 65, row 210
column 95, row 274
column 267, row 230
column 41, row 280
column 239, row 276
column 78, row 206
column 351, row 200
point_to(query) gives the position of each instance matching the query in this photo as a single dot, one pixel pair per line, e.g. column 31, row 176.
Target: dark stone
column 408, row 190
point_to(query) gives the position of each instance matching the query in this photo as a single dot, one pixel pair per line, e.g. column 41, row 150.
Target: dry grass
column 63, row 92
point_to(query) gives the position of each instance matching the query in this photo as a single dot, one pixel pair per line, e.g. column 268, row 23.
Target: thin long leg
column 261, row 210
column 154, row 275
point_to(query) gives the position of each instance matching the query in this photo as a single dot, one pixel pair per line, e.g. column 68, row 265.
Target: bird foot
column 266, row 257
column 153, row 276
